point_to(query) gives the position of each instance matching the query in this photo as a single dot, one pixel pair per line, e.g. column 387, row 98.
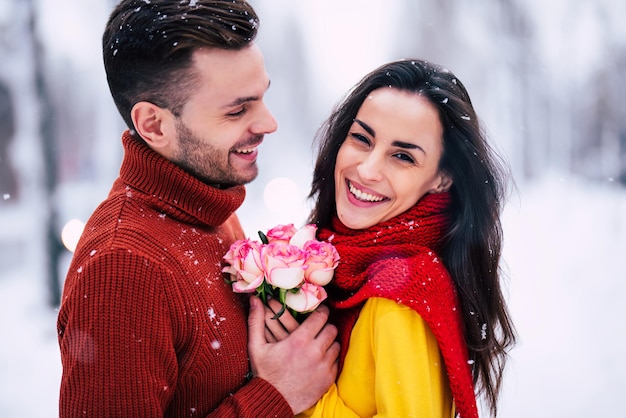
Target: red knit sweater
column 147, row 325
column 397, row 259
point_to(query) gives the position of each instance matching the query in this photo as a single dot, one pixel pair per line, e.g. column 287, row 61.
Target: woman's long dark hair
column 474, row 243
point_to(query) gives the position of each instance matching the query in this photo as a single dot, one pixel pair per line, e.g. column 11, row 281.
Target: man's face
column 222, row 124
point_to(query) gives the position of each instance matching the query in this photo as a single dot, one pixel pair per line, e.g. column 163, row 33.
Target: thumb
column 256, row 322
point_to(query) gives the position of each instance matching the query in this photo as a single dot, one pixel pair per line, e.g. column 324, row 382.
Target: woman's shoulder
column 382, row 309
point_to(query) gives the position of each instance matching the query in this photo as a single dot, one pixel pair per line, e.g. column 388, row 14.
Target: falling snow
column 548, row 283
column 565, row 241
column 212, row 314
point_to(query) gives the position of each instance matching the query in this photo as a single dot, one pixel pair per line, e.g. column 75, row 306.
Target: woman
column 413, row 209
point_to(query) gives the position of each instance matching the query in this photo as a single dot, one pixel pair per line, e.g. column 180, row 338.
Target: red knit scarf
column 398, row 260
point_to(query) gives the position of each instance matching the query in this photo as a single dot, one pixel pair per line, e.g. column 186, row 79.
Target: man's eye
column 238, row 113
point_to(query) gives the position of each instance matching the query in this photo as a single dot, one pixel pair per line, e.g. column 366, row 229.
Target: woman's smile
column 359, row 193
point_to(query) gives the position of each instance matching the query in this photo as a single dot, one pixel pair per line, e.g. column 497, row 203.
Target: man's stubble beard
column 202, row 160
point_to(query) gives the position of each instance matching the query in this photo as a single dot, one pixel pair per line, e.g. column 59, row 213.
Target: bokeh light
column 71, row 232
column 282, row 195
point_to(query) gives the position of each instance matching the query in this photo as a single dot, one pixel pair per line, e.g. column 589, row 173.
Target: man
column 147, row 324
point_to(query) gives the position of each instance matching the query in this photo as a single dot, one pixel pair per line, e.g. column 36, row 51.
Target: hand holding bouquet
column 288, row 264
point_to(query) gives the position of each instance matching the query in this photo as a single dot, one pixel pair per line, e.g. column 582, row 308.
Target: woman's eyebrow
column 399, row 144
column 407, row 145
column 366, row 127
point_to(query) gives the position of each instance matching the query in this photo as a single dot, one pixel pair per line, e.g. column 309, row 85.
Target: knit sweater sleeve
column 118, row 344
column 256, row 399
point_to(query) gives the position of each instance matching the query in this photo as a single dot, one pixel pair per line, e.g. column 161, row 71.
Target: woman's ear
column 154, row 124
column 443, row 184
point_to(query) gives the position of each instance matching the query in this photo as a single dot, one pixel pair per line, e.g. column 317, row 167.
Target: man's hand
column 303, row 365
column 277, row 329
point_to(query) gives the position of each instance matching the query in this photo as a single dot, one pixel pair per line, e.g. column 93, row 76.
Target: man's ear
column 443, row 184
column 154, row 124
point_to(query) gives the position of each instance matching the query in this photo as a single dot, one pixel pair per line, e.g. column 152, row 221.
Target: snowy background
column 544, row 78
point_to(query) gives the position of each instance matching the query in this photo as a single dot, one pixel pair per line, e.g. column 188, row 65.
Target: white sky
column 74, row 29
column 348, row 33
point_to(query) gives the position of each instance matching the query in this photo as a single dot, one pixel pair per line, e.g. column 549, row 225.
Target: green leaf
column 279, row 313
column 282, row 294
column 263, row 237
column 262, row 294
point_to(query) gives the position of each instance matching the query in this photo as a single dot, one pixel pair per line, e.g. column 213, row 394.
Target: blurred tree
column 8, row 176
column 49, row 147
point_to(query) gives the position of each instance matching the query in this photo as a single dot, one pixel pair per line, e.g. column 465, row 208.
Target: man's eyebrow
column 241, row 100
column 399, row 144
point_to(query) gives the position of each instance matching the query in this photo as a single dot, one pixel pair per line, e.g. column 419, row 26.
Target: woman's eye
column 361, row 138
column 405, row 157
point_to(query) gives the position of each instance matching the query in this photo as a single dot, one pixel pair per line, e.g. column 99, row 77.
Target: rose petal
column 286, row 278
column 230, row 270
column 281, row 233
column 306, row 299
column 321, row 277
column 251, row 277
column 304, row 234
column 242, row 286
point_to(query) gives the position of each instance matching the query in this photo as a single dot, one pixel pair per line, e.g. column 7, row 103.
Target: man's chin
column 251, row 174
column 236, row 181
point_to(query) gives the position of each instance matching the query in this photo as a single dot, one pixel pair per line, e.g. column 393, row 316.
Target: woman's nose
column 371, row 168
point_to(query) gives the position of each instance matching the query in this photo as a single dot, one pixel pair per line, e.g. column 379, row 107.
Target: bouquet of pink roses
column 288, row 264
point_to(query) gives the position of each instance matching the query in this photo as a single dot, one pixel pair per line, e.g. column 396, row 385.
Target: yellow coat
column 393, row 368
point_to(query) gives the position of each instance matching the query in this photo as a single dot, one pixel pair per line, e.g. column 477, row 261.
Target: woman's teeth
column 362, row 195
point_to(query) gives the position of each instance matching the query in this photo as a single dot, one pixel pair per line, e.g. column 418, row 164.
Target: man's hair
column 148, row 45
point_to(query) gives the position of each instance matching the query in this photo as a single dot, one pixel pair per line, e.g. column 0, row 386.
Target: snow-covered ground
column 565, row 247
column 565, row 254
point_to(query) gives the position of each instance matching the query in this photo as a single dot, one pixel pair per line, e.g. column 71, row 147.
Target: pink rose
column 281, row 234
column 304, row 235
column 322, row 259
column 283, row 264
column 306, row 299
column 244, row 258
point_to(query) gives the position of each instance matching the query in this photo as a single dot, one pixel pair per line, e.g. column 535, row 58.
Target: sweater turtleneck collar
column 190, row 199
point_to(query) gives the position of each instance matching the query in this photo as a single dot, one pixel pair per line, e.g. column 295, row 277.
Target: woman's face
column 389, row 159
